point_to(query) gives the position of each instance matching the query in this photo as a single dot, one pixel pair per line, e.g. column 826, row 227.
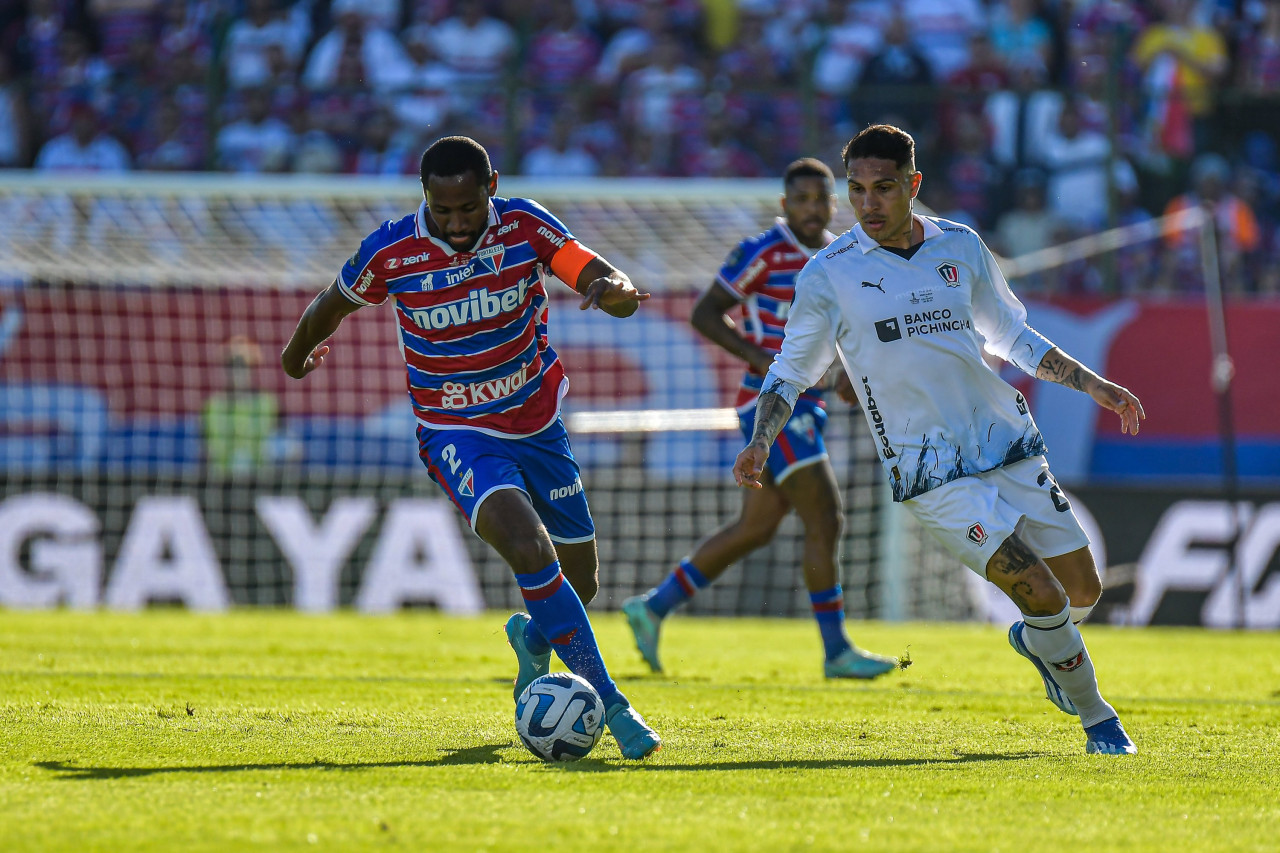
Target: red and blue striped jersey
column 472, row 325
column 761, row 274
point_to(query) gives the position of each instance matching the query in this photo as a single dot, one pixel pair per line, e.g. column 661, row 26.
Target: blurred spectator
column 1077, row 161
column 1182, row 62
column 259, row 142
column 46, row 21
column 942, row 29
column 85, row 148
column 1137, row 263
column 256, row 44
column 718, row 154
column 896, row 80
column 183, row 30
column 750, row 63
column 122, row 22
column 853, row 37
column 563, row 53
column 473, row 44
column 427, row 100
column 314, row 149
column 1018, row 34
column 165, row 143
column 969, row 172
column 941, row 200
column 238, row 423
column 629, row 48
column 1021, row 117
column 560, row 156
column 382, row 151
column 357, row 52
column 1235, row 225
column 1258, row 69
column 652, row 91
column 15, row 133
column 1030, row 226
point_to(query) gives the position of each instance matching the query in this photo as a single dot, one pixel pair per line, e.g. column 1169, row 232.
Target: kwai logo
column 459, row 395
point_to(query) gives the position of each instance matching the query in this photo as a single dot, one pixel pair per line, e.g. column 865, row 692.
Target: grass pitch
column 276, row 731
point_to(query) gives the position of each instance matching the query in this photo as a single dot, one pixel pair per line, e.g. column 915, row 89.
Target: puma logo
column 879, row 285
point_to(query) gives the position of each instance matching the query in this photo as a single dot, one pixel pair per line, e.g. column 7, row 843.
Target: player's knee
column 527, row 555
column 1085, row 591
column 585, row 585
column 826, row 523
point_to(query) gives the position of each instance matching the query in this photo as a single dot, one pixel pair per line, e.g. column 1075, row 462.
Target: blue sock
column 680, row 586
column 533, row 639
column 561, row 619
column 828, row 609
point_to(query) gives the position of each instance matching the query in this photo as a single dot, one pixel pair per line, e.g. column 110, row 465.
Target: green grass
column 274, row 730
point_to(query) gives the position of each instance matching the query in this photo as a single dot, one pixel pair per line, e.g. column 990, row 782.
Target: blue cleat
column 645, row 625
column 635, row 738
column 855, row 663
column 1108, row 738
column 1052, row 691
column 531, row 665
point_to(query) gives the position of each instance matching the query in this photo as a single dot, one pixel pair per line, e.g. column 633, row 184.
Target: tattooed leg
column 1026, row 579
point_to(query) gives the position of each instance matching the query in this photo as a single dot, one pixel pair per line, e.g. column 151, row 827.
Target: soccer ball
column 559, row 717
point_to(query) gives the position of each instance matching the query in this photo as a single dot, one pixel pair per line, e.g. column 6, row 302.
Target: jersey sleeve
column 809, row 346
column 360, row 280
column 742, row 270
column 547, row 235
column 1001, row 319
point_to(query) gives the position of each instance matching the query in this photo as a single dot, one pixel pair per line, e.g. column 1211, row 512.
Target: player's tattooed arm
column 772, row 414
column 305, row 351
column 605, row 287
column 1057, row 366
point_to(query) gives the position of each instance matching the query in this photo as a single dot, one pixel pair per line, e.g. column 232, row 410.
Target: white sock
column 1058, row 643
column 1079, row 614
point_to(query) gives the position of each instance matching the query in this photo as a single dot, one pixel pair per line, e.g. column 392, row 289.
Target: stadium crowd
column 1037, row 120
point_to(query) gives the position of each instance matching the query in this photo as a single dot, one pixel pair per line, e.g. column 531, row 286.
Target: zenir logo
column 950, row 274
column 888, row 330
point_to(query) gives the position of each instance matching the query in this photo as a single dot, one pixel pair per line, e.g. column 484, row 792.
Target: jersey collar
column 422, row 232
column 866, row 244
column 795, row 241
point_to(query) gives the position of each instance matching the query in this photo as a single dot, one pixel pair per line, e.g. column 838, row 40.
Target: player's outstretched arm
column 772, row 414
column 304, row 352
column 607, row 288
column 1057, row 366
column 710, row 318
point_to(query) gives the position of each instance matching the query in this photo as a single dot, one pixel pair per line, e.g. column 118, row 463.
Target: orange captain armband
column 570, row 261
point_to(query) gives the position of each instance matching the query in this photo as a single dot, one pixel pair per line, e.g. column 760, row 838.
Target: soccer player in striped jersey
column 759, row 277
column 467, row 274
column 908, row 303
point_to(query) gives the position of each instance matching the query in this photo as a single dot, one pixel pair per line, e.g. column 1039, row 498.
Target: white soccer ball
column 559, row 717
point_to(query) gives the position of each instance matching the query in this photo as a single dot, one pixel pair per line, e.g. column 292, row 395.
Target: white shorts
column 972, row 516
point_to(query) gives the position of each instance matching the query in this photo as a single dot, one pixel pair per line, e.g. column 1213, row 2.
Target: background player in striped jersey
column 759, row 275
column 958, row 443
column 466, row 273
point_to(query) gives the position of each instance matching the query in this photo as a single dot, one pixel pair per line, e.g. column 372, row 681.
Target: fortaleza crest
column 466, row 486
column 950, row 274
column 491, row 257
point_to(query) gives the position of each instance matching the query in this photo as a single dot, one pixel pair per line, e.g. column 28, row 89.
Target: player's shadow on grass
column 484, row 754
column 597, row 766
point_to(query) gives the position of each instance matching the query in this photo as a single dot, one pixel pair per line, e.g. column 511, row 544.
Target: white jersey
column 910, row 332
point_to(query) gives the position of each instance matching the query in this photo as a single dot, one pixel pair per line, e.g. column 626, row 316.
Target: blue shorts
column 800, row 442
column 469, row 466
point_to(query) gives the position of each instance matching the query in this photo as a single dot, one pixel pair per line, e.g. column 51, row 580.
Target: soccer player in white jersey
column 759, row 276
column 908, row 303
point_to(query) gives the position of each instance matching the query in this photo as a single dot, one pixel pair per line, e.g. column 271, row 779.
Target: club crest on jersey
column 950, row 274
column 466, row 486
column 491, row 258
column 977, row 535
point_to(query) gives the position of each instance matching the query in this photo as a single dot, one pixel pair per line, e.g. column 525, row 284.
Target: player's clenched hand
column 613, row 293
column 1120, row 400
column 749, row 465
column 844, row 388
column 312, row 361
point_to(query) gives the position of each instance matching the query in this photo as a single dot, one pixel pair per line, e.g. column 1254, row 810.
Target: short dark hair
column 882, row 142
column 807, row 167
column 456, row 155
